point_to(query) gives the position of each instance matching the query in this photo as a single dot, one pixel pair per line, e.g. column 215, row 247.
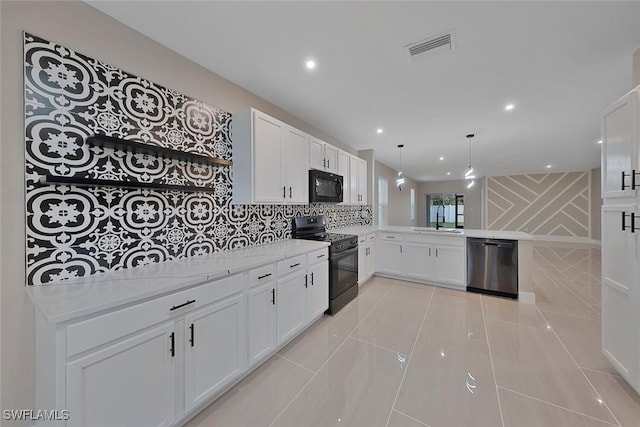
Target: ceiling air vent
column 441, row 43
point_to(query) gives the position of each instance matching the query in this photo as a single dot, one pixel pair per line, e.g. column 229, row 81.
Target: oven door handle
column 344, row 254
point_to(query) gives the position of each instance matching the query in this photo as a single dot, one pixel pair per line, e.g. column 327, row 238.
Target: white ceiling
column 560, row 63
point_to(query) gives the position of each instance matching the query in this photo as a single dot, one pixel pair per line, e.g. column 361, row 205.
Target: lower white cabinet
column 317, row 289
column 366, row 257
column 214, row 352
column 127, row 383
column 291, row 302
column 262, row 322
column 423, row 258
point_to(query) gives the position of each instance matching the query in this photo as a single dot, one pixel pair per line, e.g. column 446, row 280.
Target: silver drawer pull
column 175, row 307
column 321, row 256
column 264, row 275
column 294, row 265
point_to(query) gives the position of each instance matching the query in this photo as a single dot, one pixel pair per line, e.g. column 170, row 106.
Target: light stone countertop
column 485, row 234
column 72, row 299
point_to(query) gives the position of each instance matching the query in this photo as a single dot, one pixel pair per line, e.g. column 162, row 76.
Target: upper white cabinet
column 344, row 159
column 357, row 180
column 271, row 160
column 620, row 241
column 620, row 147
column 323, row 156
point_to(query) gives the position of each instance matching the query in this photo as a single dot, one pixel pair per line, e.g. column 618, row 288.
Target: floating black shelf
column 90, row 182
column 154, row 150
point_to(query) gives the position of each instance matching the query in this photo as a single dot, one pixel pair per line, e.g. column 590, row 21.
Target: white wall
column 80, row 27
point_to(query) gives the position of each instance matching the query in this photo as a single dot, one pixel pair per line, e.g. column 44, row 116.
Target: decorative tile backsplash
column 77, row 231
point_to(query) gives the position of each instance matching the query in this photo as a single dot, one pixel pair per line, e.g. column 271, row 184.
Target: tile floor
column 410, row 355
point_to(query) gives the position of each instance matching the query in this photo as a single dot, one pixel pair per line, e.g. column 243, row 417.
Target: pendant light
column 400, row 180
column 469, row 174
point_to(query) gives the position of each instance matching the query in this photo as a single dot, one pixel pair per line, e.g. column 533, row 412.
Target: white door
column 416, row 261
column 343, row 169
column 318, row 289
column 448, row 264
column 389, row 257
column 129, row 383
column 619, row 146
column 620, row 283
column 316, row 154
column 296, row 167
column 215, row 352
column 291, row 301
column 331, row 158
column 261, row 311
column 268, row 135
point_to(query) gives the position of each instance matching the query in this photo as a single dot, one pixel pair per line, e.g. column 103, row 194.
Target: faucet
column 438, row 218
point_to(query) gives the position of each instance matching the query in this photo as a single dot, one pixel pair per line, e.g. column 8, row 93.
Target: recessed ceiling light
column 448, row 173
column 600, row 141
column 441, row 158
column 310, row 64
column 509, row 107
column 379, row 131
column 548, row 166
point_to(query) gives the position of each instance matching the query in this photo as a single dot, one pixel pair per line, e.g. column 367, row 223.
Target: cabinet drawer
column 318, row 255
column 261, row 275
column 390, row 236
column 102, row 329
column 292, row 264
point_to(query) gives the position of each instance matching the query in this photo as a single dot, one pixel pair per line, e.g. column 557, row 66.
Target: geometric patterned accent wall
column 74, row 231
column 552, row 204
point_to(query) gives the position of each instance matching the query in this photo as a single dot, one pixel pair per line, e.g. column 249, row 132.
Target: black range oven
column 343, row 259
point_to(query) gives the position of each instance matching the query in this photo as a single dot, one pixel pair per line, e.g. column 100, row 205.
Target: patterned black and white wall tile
column 77, row 231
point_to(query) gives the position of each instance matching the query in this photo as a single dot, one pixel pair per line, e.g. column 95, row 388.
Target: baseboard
column 527, row 297
column 565, row 239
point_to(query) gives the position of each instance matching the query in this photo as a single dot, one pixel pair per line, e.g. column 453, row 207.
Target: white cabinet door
column 389, row 257
column 416, row 261
column 353, row 180
column 291, row 302
column 620, row 146
column 620, row 287
column 261, row 310
column 363, row 253
column 318, row 289
column 371, row 258
column 268, row 135
column 129, row 383
column 362, row 181
column 448, row 264
column 331, row 158
column 295, row 169
column 316, row 154
column 215, row 349
column 343, row 169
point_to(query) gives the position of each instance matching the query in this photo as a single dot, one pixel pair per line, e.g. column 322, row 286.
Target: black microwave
column 325, row 187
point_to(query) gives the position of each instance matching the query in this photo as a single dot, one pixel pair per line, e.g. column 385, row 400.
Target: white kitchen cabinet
column 422, row 258
column 620, row 149
column 620, row 292
column 620, row 243
column 127, row 383
column 366, row 257
column 317, row 289
column 261, row 309
column 389, row 254
column 270, row 160
column 358, row 180
column 344, row 159
column 291, row 301
column 214, row 349
column 323, row 156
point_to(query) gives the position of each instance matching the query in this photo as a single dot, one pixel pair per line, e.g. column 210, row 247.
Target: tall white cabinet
column 620, row 230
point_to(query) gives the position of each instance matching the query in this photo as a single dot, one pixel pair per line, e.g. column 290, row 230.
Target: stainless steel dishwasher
column 492, row 266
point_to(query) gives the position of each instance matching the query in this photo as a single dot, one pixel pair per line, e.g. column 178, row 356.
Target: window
column 447, row 210
column 383, row 201
column 413, row 205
